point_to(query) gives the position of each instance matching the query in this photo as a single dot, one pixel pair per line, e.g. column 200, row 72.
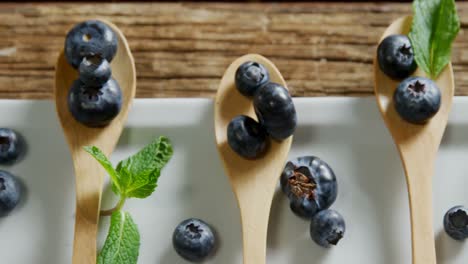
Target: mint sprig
column 435, row 27
column 136, row 176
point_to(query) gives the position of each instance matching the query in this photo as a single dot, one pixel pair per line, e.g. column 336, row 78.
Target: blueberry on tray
column 327, row 228
column 194, row 240
column 310, row 185
column 12, row 146
column 10, row 192
column 456, row 223
column 90, row 38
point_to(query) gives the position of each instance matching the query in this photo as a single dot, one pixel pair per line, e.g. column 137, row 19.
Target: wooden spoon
column 417, row 145
column 88, row 173
column 253, row 181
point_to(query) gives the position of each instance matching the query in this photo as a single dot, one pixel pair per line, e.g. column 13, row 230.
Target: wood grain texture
column 182, row 49
column 253, row 181
column 418, row 146
column 89, row 174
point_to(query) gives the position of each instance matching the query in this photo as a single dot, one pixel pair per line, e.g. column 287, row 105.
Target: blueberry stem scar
column 117, row 207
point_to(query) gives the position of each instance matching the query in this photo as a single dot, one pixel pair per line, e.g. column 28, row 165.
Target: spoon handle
column 89, row 179
column 419, row 174
column 255, row 203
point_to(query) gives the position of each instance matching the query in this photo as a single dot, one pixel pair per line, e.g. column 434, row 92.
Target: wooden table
column 182, row 50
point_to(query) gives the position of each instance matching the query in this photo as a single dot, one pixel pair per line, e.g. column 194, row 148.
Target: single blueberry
column 12, row 146
column 94, row 71
column 194, row 240
column 310, row 185
column 90, row 38
column 95, row 107
column 417, row 99
column 10, row 192
column 275, row 110
column 395, row 57
column 327, row 228
column 250, row 76
column 456, row 223
column 247, row 137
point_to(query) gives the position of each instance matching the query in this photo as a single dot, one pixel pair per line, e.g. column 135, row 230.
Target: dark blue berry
column 90, row 38
column 194, row 240
column 247, row 137
column 94, row 71
column 456, row 223
column 327, row 228
column 417, row 99
column 310, row 185
column 275, row 110
column 12, row 146
column 95, row 107
column 395, row 57
column 250, row 76
column 10, row 192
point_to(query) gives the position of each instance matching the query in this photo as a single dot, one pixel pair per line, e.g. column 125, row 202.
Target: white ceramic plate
column 346, row 132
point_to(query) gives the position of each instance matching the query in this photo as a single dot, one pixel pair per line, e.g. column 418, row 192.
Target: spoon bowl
column 253, row 181
column 417, row 146
column 89, row 175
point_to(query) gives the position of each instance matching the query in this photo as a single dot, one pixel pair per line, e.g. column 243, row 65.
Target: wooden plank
column 182, row 49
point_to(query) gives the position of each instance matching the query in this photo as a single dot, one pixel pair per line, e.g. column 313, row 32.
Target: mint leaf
column 102, row 159
column 435, row 26
column 123, row 241
column 140, row 173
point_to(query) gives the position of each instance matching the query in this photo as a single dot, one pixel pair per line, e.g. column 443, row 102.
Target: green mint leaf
column 107, row 165
column 123, row 241
column 140, row 172
column 435, row 27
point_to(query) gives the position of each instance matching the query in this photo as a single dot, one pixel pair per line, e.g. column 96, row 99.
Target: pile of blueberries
column 95, row 98
column 417, row 99
column 311, row 186
column 12, row 150
column 274, row 109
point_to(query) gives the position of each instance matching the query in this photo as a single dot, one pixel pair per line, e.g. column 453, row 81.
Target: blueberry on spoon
column 247, row 137
column 10, row 192
column 310, row 185
column 94, row 71
column 250, row 76
column 90, row 38
column 95, row 107
column 417, row 99
column 395, row 57
column 275, row 110
column 12, row 146
column 327, row 228
column 456, row 223
column 194, row 240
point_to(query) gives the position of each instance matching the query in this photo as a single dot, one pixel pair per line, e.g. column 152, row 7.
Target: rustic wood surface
column 182, row 49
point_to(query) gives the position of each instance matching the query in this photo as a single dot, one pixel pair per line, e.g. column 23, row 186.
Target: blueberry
column 275, row 110
column 456, row 223
column 327, row 228
column 417, row 99
column 310, row 185
column 10, row 192
column 250, row 76
column 12, row 146
column 395, row 56
column 194, row 240
column 94, row 71
column 95, row 107
column 90, row 38
column 247, row 137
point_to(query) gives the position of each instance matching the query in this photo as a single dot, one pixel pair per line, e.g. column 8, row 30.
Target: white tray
column 346, row 132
